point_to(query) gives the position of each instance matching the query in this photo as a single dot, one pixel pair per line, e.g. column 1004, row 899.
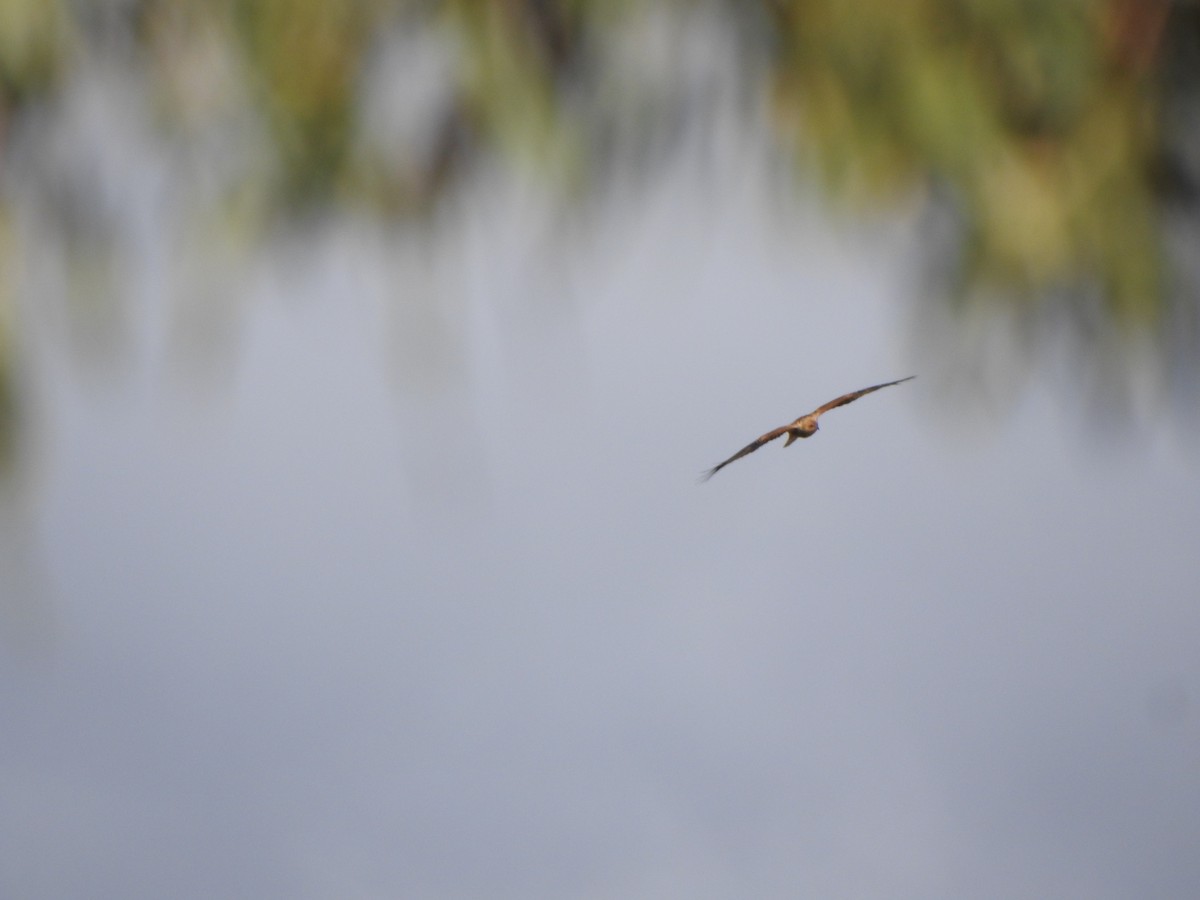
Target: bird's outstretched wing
column 749, row 448
column 854, row 395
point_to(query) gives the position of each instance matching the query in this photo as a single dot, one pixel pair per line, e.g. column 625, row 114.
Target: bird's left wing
column 749, row 448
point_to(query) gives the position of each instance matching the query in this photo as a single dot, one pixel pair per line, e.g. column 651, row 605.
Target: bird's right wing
column 854, row 395
column 749, row 448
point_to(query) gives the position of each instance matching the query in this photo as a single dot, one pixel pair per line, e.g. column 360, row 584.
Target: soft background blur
column 357, row 362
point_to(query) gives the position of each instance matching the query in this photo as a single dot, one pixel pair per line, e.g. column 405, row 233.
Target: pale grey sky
column 417, row 604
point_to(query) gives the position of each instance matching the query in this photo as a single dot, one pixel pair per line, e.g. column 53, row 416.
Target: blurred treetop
column 1053, row 141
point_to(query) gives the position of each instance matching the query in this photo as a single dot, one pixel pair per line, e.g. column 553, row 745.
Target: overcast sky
column 420, row 597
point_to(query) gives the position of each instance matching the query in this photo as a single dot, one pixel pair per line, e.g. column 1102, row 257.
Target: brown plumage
column 803, row 427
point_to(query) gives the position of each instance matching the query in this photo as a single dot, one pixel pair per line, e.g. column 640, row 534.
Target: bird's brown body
column 805, row 426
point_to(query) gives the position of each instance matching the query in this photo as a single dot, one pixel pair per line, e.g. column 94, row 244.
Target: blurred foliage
column 1038, row 121
column 1056, row 136
column 35, row 41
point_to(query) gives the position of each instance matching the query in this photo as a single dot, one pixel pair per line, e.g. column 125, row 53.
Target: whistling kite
column 805, row 426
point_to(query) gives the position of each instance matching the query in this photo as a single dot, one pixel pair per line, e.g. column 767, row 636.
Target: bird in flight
column 805, row 426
